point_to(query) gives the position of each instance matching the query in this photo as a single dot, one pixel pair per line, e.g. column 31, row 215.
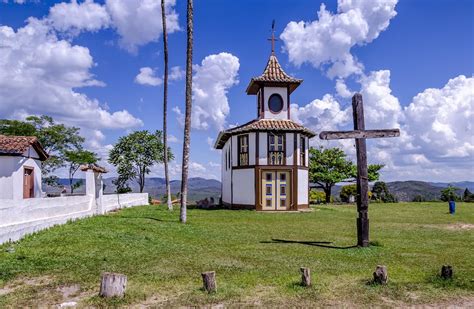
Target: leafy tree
column 54, row 137
column 135, row 153
column 449, row 194
column 419, row 198
column 121, row 185
column 347, row 192
column 468, row 196
column 187, row 115
column 380, row 193
column 75, row 158
column 165, row 106
column 329, row 166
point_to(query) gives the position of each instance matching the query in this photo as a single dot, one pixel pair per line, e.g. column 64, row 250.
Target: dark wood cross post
column 360, row 134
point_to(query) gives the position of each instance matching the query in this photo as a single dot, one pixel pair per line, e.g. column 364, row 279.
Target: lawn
column 163, row 259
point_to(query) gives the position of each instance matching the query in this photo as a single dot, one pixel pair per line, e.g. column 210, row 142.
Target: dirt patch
column 460, row 226
column 21, row 282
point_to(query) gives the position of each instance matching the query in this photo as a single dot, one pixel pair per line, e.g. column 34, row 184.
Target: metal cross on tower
column 273, row 37
column 360, row 134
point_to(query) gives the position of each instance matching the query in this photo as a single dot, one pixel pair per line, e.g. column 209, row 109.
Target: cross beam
column 360, row 134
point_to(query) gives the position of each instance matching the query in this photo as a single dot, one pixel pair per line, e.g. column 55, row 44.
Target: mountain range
column 200, row 188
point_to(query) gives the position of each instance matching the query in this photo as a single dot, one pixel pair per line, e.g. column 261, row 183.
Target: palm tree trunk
column 187, row 119
column 165, row 105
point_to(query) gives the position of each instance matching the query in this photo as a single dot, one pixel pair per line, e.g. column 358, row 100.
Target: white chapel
column 265, row 161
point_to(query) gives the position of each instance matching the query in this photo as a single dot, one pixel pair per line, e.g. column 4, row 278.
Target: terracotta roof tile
column 17, row 145
column 262, row 125
column 96, row 168
column 273, row 73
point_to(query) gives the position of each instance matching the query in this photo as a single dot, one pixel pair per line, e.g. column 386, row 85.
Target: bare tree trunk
column 165, row 105
column 187, row 121
column 327, row 191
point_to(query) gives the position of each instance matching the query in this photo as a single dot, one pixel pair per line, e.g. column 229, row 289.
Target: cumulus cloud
column 211, row 82
column 177, row 73
column 147, row 77
column 139, row 22
column 436, row 141
column 75, row 17
column 39, row 74
column 328, row 40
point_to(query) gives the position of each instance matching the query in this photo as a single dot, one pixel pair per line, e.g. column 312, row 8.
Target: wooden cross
column 273, row 37
column 360, row 134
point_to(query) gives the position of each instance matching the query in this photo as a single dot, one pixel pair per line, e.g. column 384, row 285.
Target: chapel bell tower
column 273, row 88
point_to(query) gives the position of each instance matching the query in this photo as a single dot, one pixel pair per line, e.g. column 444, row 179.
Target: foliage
column 158, row 254
column 380, row 192
column 449, row 194
column 75, row 158
column 317, row 197
column 468, row 196
column 347, row 192
column 419, row 198
column 329, row 166
column 135, row 154
column 55, row 138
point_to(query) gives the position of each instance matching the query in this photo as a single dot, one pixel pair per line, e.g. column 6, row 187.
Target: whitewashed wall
column 244, row 186
column 21, row 217
column 11, row 174
column 283, row 93
column 262, row 148
column 226, row 173
column 303, row 187
column 290, row 148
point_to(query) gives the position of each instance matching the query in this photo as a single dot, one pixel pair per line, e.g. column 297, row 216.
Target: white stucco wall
column 21, row 217
column 282, row 91
column 289, row 148
column 244, row 186
column 303, row 187
column 252, row 148
column 11, row 175
column 225, row 173
column 262, row 148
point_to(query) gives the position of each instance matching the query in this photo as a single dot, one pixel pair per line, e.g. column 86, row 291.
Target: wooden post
column 209, row 281
column 447, row 272
column 113, row 285
column 305, row 276
column 380, row 274
column 362, row 174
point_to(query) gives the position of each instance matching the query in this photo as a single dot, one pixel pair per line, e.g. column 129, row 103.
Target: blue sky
column 423, row 45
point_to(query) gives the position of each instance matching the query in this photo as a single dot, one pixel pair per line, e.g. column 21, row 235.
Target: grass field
column 163, row 259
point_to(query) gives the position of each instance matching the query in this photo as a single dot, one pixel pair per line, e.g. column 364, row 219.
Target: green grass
column 163, row 259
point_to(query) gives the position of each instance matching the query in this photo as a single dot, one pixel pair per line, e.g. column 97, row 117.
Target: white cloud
column 211, row 82
column 147, row 77
column 329, row 39
column 177, row 73
column 342, row 90
column 172, row 139
column 139, row 22
column 179, row 115
column 39, row 74
column 437, row 134
column 75, row 17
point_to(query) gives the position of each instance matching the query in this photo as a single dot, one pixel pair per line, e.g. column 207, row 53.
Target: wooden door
column 28, row 182
column 283, row 198
column 276, row 190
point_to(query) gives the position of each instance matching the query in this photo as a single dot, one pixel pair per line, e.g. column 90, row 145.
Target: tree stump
column 209, row 281
column 380, row 275
column 447, row 272
column 113, row 285
column 305, row 276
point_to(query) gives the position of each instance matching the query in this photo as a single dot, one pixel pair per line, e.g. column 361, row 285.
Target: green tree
column 55, row 138
column 136, row 153
column 449, row 194
column 468, row 196
column 75, row 158
column 347, row 192
column 329, row 166
column 380, row 192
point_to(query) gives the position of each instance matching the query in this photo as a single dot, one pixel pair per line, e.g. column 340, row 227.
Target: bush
column 316, row 197
column 419, row 198
column 347, row 192
column 449, row 194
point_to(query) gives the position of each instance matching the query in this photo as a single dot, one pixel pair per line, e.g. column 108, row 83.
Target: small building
column 20, row 167
column 265, row 161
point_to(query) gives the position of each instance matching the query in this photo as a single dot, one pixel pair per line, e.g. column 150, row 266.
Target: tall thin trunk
column 187, row 119
column 328, row 190
column 165, row 106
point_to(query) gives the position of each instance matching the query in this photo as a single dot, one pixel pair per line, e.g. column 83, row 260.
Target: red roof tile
column 17, row 145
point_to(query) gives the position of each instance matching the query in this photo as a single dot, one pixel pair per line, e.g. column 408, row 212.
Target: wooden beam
column 330, row 135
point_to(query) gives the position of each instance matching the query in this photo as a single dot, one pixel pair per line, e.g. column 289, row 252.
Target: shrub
column 317, row 197
column 347, row 192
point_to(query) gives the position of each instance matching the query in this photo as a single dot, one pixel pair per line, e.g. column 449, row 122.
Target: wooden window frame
column 302, row 151
column 243, row 149
column 269, row 152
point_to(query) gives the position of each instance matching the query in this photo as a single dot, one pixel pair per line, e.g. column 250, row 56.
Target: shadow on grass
column 323, row 244
column 147, row 218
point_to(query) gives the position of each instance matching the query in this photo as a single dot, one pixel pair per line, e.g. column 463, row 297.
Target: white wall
column 244, row 186
column 290, row 147
column 21, row 217
column 11, row 175
column 282, row 91
column 262, row 148
column 252, row 148
column 226, row 195
column 303, row 187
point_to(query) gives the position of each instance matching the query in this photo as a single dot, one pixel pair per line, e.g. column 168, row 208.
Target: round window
column 275, row 103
